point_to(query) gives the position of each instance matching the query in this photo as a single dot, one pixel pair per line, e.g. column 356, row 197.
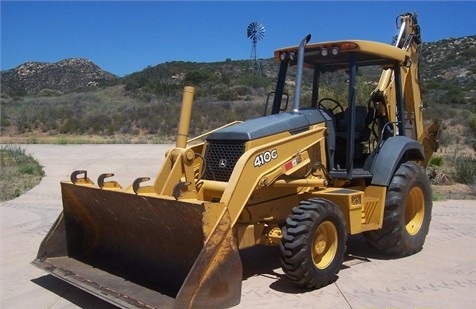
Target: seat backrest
column 360, row 119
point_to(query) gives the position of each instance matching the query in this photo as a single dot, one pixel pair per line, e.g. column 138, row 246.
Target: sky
column 124, row 37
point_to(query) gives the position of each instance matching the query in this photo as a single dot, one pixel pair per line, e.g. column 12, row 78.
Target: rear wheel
column 407, row 213
column 313, row 243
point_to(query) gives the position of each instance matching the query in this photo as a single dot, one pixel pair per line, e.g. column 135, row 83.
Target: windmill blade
column 250, row 31
column 255, row 31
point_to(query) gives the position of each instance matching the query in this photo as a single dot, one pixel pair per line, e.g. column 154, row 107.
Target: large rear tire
column 407, row 213
column 313, row 243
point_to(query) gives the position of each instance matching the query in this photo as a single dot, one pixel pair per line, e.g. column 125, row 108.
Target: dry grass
column 66, row 139
column 19, row 172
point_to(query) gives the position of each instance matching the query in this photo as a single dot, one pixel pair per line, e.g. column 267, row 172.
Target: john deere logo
column 222, row 163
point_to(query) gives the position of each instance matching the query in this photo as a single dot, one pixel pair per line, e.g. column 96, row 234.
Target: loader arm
column 246, row 177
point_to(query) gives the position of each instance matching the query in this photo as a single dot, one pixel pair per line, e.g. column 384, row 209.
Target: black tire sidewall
column 411, row 244
column 299, row 266
column 393, row 238
column 328, row 214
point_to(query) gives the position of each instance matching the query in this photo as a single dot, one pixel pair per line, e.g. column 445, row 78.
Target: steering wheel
column 334, row 105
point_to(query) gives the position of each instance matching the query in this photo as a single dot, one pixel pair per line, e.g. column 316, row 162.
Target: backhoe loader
column 301, row 177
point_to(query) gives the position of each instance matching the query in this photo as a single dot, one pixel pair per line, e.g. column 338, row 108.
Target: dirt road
column 442, row 276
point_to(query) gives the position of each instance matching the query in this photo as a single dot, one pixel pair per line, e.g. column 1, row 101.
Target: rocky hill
column 447, row 68
column 62, row 76
column 448, row 72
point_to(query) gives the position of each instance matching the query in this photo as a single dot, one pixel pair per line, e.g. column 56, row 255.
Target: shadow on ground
column 264, row 261
column 71, row 293
column 257, row 261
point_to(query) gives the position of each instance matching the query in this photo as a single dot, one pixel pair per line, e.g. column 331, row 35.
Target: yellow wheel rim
column 324, row 245
column 414, row 211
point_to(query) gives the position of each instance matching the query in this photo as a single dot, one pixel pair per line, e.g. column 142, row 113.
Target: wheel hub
column 324, row 246
column 414, row 211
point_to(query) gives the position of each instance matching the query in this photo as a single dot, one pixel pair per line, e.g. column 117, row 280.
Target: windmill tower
column 255, row 32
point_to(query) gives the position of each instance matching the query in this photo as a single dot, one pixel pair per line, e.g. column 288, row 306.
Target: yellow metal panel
column 374, row 207
column 248, row 235
column 350, row 202
column 276, row 210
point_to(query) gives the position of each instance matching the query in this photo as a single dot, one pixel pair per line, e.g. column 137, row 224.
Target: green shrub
column 472, row 122
column 469, row 52
column 254, row 81
column 196, row 77
column 445, row 138
column 19, row 172
column 49, row 93
column 31, row 168
column 465, row 170
column 436, row 161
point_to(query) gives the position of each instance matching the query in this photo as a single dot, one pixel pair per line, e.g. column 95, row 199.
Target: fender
column 388, row 157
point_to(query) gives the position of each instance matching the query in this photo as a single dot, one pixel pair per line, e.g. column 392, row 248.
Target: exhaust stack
column 300, row 65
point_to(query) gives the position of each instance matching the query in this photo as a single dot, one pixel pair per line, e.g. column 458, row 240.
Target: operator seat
column 363, row 118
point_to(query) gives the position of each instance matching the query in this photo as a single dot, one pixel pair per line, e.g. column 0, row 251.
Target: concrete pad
column 441, row 276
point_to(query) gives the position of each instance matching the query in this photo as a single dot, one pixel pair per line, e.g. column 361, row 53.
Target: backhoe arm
column 409, row 40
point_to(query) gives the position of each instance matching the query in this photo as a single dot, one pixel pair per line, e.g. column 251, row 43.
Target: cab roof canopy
column 336, row 55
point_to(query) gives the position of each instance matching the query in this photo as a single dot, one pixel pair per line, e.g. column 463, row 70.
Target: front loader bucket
column 144, row 251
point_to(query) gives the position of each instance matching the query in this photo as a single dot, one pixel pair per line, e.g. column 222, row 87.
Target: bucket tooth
column 111, row 184
column 136, row 184
column 83, row 180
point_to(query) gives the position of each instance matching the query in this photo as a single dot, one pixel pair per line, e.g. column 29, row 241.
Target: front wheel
column 407, row 213
column 313, row 243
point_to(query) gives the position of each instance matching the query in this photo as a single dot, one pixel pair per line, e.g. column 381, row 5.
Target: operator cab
column 336, row 79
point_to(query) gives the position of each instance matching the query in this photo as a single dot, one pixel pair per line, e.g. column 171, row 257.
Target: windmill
column 255, row 32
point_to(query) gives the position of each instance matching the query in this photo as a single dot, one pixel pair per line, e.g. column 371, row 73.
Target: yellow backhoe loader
column 301, row 177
